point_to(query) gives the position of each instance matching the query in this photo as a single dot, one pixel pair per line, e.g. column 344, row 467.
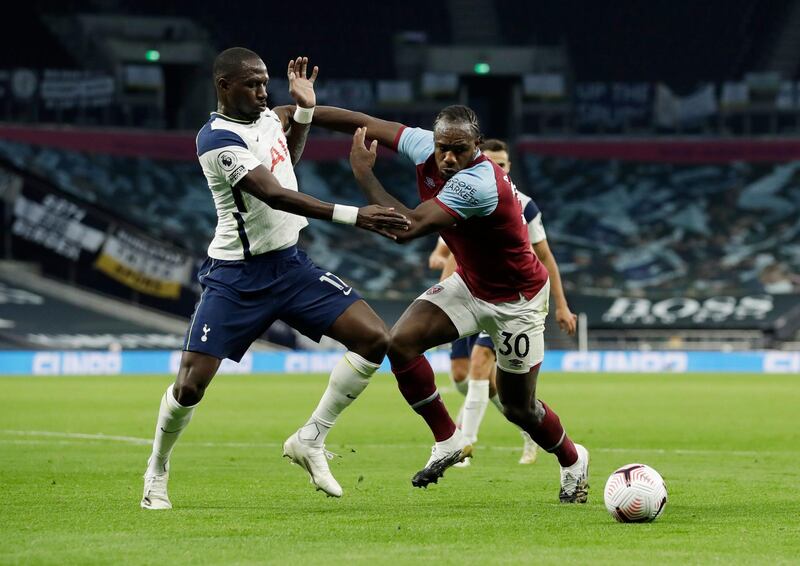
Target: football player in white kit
column 255, row 274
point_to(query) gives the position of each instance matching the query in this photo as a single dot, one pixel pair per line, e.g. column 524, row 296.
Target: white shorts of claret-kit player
column 516, row 327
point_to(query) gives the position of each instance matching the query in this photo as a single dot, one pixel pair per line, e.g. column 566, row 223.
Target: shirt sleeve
column 416, row 144
column 536, row 229
column 228, row 164
column 469, row 193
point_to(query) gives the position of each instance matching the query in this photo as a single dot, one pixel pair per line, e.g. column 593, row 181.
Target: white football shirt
column 533, row 217
column 228, row 149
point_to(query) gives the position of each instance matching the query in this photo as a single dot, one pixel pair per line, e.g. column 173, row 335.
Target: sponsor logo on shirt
column 240, row 172
column 433, row 290
column 430, row 182
column 227, row 160
column 462, row 189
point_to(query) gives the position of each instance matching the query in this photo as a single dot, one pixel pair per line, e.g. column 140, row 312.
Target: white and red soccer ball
column 635, row 493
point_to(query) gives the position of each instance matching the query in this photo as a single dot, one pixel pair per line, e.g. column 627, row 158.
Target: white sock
column 474, row 408
column 172, row 419
column 462, row 387
column 348, row 379
column 496, row 400
column 454, row 442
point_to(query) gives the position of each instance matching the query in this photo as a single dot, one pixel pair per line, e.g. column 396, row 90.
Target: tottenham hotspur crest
column 206, row 330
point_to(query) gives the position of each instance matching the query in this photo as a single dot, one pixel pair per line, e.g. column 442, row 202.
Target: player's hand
column 437, row 261
column 300, row 87
column 362, row 158
column 567, row 320
column 382, row 220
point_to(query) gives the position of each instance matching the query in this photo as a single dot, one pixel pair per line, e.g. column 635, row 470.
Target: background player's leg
column 481, row 367
column 177, row 406
column 422, row 326
column 459, row 369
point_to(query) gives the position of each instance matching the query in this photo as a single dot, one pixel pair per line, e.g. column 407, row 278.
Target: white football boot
column 575, row 479
column 530, row 449
column 313, row 460
column 155, row 490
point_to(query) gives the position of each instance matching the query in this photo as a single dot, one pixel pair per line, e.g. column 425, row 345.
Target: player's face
column 499, row 157
column 247, row 93
column 453, row 150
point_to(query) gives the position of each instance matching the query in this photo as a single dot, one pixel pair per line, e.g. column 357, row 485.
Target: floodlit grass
column 72, row 452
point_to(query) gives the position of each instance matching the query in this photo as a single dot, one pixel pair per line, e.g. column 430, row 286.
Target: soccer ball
column 635, row 494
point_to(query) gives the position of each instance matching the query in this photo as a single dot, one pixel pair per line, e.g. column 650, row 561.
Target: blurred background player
column 255, row 273
column 442, row 259
column 474, row 373
column 499, row 287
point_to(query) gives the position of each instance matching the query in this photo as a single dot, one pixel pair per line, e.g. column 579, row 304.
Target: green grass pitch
column 72, row 452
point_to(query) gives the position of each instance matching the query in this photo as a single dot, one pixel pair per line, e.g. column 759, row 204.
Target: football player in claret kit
column 255, row 274
column 500, row 286
column 476, row 380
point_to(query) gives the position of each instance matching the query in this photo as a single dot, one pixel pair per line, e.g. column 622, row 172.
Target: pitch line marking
column 73, row 438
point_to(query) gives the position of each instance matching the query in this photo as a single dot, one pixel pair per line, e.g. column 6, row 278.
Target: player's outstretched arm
column 301, row 88
column 567, row 321
column 428, row 217
column 263, row 185
column 347, row 121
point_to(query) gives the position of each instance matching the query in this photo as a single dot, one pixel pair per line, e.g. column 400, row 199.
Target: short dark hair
column 493, row 144
column 459, row 115
column 229, row 62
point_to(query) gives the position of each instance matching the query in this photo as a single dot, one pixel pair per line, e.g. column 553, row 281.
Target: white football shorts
column 516, row 327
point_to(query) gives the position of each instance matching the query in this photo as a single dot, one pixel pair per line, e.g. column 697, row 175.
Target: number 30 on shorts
column 520, row 344
column 336, row 282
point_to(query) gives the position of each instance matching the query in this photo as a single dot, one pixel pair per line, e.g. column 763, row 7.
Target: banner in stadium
column 144, row 264
column 720, row 312
column 55, row 363
column 55, row 89
column 55, row 223
column 76, row 89
column 612, row 105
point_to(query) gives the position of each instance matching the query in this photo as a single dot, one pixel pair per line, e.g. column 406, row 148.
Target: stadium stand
column 659, row 228
column 40, row 313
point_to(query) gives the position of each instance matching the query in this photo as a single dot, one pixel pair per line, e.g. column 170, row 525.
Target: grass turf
column 727, row 446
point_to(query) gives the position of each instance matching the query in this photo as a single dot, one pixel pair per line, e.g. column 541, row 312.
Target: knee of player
column 520, row 415
column 188, row 393
column 459, row 369
column 402, row 347
column 374, row 344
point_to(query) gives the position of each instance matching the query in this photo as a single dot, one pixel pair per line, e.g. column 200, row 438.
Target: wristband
column 345, row 214
column 303, row 115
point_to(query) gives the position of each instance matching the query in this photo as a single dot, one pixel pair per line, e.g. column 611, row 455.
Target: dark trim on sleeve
column 531, row 210
column 208, row 139
column 447, row 209
column 396, row 143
